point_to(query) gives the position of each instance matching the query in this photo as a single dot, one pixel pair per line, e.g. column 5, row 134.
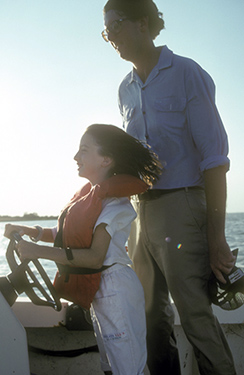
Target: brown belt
column 157, row 193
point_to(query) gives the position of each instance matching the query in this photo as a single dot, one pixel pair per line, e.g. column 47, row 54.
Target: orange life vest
column 82, row 213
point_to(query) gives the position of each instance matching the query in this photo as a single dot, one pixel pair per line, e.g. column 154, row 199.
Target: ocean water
column 49, row 266
column 234, row 235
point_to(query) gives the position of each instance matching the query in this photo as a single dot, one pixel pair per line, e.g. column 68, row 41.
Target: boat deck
column 46, row 330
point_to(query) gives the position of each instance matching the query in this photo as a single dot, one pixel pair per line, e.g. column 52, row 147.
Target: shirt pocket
column 170, row 104
column 170, row 113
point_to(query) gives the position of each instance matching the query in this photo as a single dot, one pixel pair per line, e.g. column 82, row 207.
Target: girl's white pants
column 118, row 316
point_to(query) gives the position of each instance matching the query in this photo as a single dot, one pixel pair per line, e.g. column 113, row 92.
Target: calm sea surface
column 234, row 234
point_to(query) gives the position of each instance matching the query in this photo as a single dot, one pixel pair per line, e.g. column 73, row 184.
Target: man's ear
column 143, row 23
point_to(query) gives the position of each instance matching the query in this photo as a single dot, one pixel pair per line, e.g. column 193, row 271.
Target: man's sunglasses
column 114, row 28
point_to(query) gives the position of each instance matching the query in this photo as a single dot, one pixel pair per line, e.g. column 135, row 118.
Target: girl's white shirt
column 118, row 214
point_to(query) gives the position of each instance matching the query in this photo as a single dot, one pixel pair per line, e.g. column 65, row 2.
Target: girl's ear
column 107, row 162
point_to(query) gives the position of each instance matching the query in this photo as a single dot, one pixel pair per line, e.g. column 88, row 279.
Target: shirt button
column 144, row 112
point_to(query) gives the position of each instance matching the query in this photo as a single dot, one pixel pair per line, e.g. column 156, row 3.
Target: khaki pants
column 168, row 247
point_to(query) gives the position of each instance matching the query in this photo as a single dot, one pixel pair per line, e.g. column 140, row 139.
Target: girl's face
column 91, row 164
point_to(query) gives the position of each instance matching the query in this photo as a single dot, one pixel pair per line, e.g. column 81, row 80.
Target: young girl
column 90, row 239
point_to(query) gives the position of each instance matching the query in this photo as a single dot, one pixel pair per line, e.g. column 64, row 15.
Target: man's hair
column 136, row 9
column 128, row 154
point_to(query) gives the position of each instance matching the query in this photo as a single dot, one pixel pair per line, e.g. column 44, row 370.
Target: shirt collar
column 164, row 62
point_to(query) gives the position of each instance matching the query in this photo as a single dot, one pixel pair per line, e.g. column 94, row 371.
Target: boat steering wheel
column 23, row 278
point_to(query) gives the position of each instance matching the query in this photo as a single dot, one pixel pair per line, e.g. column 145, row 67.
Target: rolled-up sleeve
column 204, row 121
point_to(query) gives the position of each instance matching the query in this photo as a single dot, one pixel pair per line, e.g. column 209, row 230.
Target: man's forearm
column 221, row 259
column 215, row 189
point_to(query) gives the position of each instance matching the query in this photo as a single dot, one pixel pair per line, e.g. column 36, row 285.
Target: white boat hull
column 45, row 329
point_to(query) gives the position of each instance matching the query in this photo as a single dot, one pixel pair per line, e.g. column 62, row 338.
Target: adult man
column 168, row 102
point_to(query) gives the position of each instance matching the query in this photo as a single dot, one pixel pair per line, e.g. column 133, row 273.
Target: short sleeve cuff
column 54, row 232
column 109, row 230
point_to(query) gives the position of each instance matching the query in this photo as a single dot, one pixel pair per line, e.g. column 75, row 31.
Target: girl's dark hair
column 128, row 154
column 136, row 9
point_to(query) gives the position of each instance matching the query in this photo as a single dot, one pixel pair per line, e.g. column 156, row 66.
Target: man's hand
column 221, row 259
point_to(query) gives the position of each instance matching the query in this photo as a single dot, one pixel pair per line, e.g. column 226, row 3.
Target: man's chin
column 122, row 55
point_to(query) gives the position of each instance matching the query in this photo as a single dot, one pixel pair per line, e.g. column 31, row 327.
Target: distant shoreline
column 36, row 217
column 26, row 217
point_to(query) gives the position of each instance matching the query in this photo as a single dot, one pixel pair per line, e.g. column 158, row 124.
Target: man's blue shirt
column 174, row 112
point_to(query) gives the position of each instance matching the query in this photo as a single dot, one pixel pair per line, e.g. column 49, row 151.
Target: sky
column 57, row 76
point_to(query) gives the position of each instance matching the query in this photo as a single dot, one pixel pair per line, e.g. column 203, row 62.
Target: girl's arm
column 46, row 234
column 92, row 257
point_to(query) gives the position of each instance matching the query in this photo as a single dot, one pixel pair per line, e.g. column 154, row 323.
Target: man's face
column 123, row 34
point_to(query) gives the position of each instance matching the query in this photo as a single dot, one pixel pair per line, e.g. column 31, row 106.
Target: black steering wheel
column 23, row 278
